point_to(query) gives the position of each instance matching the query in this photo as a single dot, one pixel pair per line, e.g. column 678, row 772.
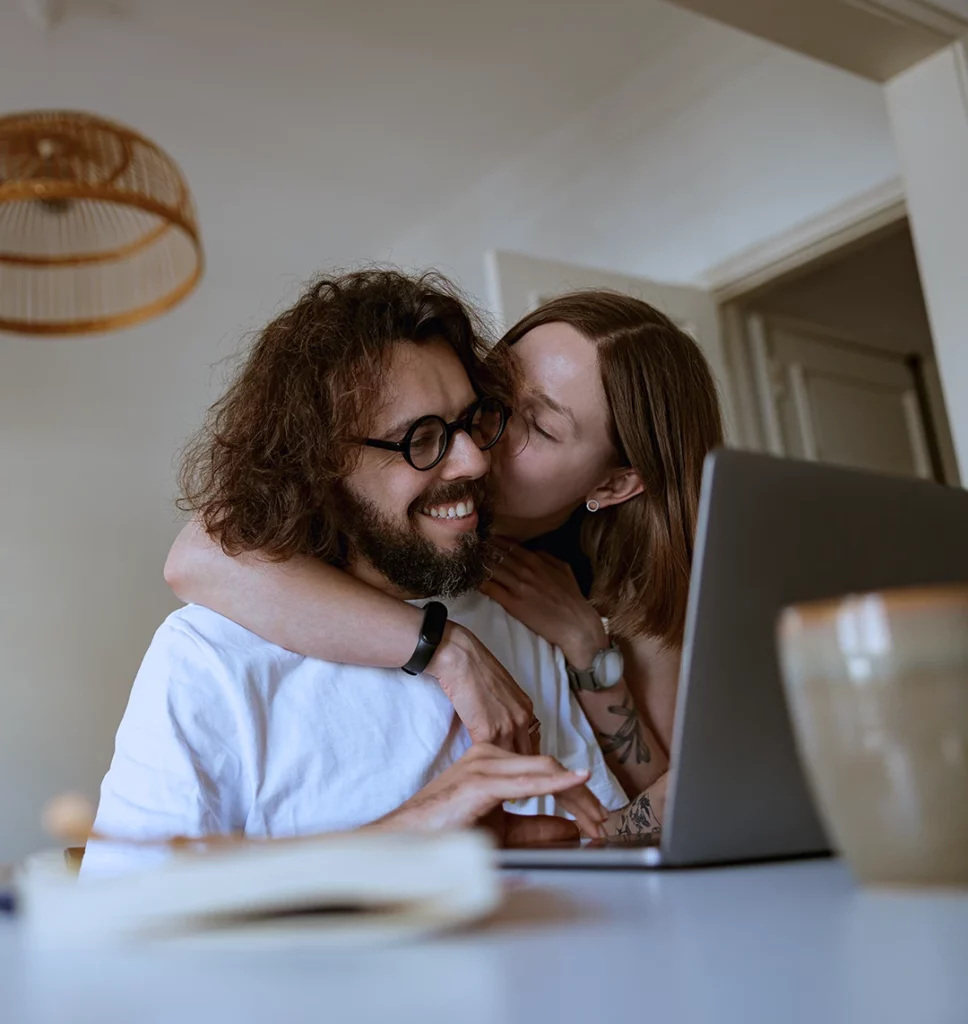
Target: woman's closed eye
column 533, row 423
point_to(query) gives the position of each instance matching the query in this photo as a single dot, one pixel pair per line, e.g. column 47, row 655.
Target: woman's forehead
column 560, row 362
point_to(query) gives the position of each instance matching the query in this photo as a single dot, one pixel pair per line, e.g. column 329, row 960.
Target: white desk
column 782, row 944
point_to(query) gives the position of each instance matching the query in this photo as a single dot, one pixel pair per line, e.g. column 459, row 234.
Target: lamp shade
column 97, row 226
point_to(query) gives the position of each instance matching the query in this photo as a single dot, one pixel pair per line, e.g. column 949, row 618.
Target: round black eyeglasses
column 427, row 440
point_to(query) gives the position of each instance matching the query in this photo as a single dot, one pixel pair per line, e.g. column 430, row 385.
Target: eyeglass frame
column 402, row 447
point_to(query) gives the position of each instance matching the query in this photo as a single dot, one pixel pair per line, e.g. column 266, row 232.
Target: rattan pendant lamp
column 97, row 226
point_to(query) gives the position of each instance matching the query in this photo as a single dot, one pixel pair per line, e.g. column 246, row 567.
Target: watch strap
column 587, row 678
column 431, row 634
column 582, row 678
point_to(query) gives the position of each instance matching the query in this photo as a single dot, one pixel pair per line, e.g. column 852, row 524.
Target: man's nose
column 464, row 460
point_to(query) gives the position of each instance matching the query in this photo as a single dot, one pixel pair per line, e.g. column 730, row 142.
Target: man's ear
column 618, row 487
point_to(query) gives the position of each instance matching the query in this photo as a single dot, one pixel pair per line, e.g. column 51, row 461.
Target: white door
column 827, row 399
column 518, row 284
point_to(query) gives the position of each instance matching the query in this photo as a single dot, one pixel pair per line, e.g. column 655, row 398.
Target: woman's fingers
column 528, row 829
column 521, row 557
column 508, row 578
column 501, row 594
column 539, row 571
column 520, row 570
column 536, row 561
column 555, row 565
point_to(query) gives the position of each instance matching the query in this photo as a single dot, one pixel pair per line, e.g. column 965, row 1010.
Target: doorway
column 820, row 339
column 835, row 363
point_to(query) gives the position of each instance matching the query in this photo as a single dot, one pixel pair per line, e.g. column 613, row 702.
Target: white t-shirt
column 225, row 732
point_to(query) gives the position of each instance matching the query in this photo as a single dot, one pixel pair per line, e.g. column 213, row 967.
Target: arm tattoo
column 627, row 740
column 638, row 819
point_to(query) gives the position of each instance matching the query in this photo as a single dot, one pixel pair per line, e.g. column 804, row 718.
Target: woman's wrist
column 580, row 650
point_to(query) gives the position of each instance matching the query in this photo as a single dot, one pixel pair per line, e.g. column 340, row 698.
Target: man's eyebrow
column 402, row 426
column 562, row 410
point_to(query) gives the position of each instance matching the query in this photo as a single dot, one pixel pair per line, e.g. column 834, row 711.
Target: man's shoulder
column 200, row 657
column 196, row 622
column 493, row 625
column 196, row 628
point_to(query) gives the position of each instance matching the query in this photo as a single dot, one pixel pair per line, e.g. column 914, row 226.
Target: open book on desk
column 342, row 889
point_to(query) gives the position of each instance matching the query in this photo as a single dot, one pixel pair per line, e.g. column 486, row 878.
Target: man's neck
column 363, row 570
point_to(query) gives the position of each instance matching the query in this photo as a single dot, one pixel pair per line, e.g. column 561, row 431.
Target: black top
column 565, row 545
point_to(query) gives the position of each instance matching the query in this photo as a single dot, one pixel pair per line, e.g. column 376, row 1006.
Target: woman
column 597, row 495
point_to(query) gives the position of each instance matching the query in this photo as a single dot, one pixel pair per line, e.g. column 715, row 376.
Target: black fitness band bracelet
column 431, row 633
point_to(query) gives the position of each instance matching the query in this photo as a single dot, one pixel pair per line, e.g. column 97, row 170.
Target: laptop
column 771, row 532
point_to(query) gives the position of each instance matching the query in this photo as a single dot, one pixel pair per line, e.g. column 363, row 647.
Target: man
column 353, row 433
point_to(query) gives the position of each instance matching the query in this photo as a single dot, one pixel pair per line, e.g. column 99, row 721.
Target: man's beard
column 409, row 561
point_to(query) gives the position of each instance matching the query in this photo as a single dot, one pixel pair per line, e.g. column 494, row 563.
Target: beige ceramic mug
column 877, row 686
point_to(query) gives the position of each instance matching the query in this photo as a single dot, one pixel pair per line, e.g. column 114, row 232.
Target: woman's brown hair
column 665, row 418
column 263, row 472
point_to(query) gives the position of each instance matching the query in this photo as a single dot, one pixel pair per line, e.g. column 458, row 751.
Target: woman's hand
column 644, row 815
column 494, row 709
column 542, row 593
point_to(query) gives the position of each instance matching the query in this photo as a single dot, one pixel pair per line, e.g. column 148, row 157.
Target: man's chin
column 422, row 557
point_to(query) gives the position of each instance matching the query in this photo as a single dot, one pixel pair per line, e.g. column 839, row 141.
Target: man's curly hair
column 263, row 472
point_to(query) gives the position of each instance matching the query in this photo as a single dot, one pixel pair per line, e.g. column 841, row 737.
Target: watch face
column 609, row 670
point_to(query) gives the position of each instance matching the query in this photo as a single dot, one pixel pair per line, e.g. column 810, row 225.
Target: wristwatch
column 607, row 669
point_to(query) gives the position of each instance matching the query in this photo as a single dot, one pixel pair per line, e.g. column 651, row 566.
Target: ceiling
column 629, row 134
column 877, row 39
column 958, row 7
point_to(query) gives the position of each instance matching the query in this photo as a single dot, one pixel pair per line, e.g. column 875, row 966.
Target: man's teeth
column 461, row 510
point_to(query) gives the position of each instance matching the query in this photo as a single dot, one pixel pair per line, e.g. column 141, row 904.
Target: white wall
column 625, row 133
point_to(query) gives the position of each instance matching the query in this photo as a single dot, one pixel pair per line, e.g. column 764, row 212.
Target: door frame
column 807, row 247
column 736, row 280
column 810, row 244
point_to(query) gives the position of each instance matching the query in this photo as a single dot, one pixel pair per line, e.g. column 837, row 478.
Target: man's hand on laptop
column 473, row 790
column 494, row 709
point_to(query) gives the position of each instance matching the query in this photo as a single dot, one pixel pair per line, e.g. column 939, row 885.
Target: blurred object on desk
column 341, row 890
column 878, row 691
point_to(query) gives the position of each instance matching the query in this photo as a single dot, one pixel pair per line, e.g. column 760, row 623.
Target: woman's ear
column 618, row 487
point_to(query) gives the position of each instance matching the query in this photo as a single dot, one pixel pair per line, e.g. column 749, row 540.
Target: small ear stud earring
column 592, row 505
